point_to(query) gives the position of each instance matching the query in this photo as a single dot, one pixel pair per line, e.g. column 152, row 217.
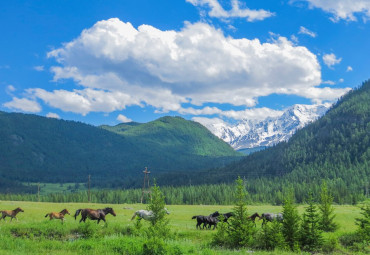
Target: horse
column 12, row 213
column 227, row 216
column 271, row 217
column 201, row 219
column 253, row 217
column 92, row 214
column 146, row 215
column 58, row 215
column 210, row 220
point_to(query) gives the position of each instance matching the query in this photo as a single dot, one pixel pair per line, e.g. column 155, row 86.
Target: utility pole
column 88, row 190
column 38, row 192
column 146, row 183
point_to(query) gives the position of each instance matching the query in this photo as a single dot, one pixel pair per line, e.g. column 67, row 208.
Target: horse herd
column 214, row 218
column 99, row 214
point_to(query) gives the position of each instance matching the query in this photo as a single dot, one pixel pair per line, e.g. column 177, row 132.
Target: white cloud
column 329, row 82
column 341, row 80
column 343, row 9
column 39, row 68
column 331, row 59
column 349, row 68
column 305, row 31
column 23, row 104
column 53, row 115
column 10, row 88
column 117, row 65
column 217, row 11
column 253, row 113
column 123, row 118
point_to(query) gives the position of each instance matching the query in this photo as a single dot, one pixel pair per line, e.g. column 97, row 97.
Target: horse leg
column 98, row 221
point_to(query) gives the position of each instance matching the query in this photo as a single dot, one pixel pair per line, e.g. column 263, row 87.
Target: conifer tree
column 326, row 221
column 291, row 222
column 311, row 235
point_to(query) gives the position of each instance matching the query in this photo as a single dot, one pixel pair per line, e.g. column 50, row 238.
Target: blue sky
column 106, row 62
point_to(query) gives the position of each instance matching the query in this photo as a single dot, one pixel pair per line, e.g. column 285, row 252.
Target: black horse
column 201, row 219
column 92, row 214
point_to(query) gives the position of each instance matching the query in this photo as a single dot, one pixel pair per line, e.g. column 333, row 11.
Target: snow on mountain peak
column 251, row 133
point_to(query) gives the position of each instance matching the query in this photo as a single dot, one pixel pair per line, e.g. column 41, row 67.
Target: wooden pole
column 146, row 180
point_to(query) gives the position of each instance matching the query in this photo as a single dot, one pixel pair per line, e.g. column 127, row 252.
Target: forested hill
column 39, row 149
column 336, row 147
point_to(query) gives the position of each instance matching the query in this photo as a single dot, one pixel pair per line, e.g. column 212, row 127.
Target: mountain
column 39, row 149
column 249, row 134
column 336, row 148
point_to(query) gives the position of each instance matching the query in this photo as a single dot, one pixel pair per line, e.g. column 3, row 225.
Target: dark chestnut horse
column 58, row 215
column 12, row 214
column 253, row 217
column 92, row 214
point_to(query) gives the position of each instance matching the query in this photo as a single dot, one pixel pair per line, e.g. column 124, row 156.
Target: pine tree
column 311, row 235
column 326, row 209
column 240, row 230
column 290, row 222
column 364, row 223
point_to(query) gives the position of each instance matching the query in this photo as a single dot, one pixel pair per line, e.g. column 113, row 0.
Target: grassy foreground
column 35, row 234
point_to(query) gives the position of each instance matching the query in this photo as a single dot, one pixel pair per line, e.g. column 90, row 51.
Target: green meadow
column 35, row 234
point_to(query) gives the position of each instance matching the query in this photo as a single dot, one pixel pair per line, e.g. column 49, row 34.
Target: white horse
column 146, row 215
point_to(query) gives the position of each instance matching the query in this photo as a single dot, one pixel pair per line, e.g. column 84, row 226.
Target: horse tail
column 77, row 213
column 194, row 217
column 133, row 216
column 46, row 215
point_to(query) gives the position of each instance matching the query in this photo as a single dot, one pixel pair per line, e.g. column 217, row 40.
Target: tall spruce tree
column 291, row 222
column 240, row 231
column 311, row 235
column 326, row 221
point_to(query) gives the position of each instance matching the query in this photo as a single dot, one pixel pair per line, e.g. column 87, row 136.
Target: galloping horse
column 12, row 214
column 92, row 214
column 271, row 217
column 145, row 214
column 201, row 219
column 253, row 217
column 58, row 215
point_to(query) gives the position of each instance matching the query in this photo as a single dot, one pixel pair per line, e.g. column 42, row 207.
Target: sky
column 113, row 61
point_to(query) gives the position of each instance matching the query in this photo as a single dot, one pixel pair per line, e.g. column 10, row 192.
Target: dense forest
column 336, row 148
column 39, row 149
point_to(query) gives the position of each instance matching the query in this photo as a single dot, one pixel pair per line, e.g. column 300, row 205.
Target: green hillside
column 336, row 148
column 39, row 149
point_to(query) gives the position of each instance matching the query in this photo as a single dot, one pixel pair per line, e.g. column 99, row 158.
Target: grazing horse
column 253, row 218
column 92, row 214
column 12, row 214
column 146, row 215
column 271, row 217
column 58, row 215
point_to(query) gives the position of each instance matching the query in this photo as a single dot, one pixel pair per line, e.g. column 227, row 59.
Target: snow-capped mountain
column 257, row 133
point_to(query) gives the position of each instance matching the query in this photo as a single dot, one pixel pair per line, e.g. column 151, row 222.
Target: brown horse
column 12, row 214
column 58, row 215
column 253, row 218
column 92, row 214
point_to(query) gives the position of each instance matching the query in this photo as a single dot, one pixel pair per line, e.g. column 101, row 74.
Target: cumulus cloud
column 217, row 11
column 305, row 31
column 23, row 104
column 343, row 9
column 53, row 115
column 117, row 65
column 123, row 118
column 349, row 68
column 331, row 60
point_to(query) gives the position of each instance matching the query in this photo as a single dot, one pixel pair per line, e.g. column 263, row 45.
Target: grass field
column 35, row 234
